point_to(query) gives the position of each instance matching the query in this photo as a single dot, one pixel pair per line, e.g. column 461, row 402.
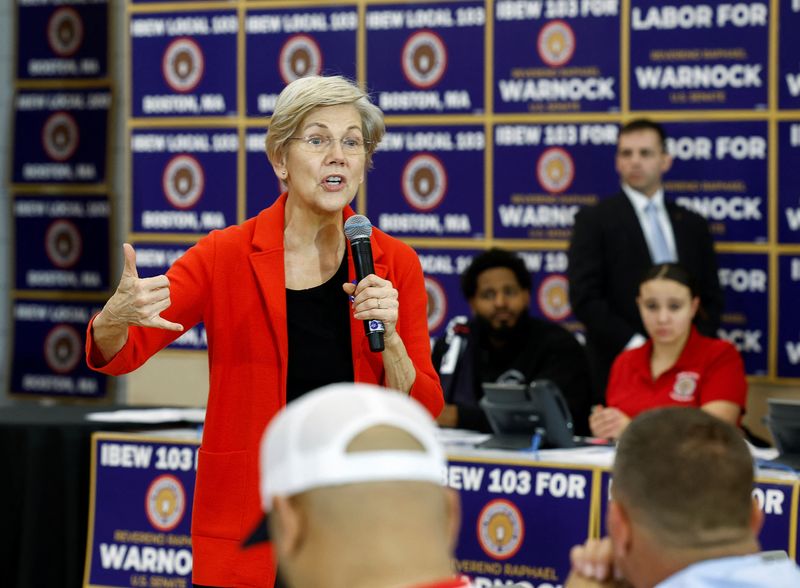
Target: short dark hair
column 645, row 124
column 670, row 271
column 489, row 259
column 686, row 476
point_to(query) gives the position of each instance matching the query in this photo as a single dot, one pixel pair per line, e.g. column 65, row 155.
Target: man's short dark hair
column 645, row 124
column 490, row 259
column 686, row 476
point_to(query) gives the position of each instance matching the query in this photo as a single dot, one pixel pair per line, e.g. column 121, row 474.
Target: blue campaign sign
column 262, row 186
column 140, row 509
column 744, row 278
column 426, row 57
column 56, row 41
column 789, row 55
column 285, row 44
column 184, row 180
column 543, row 174
column 789, row 313
column 61, row 243
column 418, row 187
column 60, row 136
column 183, row 64
column 719, row 170
column 443, row 269
column 48, row 350
column 154, row 259
column 699, row 55
column 547, row 58
column 518, row 522
column 605, row 496
column 775, row 501
column 788, row 182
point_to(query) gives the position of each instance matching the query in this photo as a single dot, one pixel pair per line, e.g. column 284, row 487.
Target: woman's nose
column 335, row 151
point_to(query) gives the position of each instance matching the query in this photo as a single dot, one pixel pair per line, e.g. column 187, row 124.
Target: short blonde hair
column 304, row 95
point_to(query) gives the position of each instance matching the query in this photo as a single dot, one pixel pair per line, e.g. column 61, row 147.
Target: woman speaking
column 282, row 311
column 677, row 366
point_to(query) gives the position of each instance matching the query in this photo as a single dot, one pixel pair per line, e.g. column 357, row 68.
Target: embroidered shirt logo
column 685, row 386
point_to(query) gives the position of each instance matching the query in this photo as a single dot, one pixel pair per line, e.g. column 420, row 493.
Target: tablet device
column 517, row 412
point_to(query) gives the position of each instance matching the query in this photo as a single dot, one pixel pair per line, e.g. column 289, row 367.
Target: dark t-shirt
column 536, row 349
column 318, row 321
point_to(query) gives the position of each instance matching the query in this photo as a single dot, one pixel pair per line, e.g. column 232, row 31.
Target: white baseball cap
column 306, row 445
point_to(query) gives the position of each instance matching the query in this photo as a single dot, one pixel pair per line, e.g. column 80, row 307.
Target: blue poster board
column 55, row 134
column 48, row 356
column 699, row 55
column 549, row 57
column 62, row 42
column 426, row 57
column 148, row 542
column 62, row 243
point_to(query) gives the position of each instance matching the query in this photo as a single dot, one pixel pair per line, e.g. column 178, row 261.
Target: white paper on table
column 150, row 415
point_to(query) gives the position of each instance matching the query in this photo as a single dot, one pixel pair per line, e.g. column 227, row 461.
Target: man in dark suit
column 614, row 242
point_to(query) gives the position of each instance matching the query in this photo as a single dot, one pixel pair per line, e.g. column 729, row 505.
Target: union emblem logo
column 424, row 182
column 424, row 59
column 63, row 349
column 437, row 303
column 165, row 502
column 65, row 31
column 685, row 386
column 183, row 181
column 556, row 43
column 500, row 529
column 553, row 297
column 183, row 65
column 60, row 136
column 63, row 243
column 555, row 170
column 300, row 57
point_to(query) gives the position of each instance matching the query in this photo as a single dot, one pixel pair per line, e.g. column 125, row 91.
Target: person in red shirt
column 282, row 311
column 677, row 366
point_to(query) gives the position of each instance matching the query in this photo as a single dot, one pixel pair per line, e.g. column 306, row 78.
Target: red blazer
column 233, row 280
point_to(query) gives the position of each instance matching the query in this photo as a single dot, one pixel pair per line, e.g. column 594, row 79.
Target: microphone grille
column 357, row 227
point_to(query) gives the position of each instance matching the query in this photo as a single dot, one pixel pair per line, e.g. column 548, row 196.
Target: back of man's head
column 687, row 477
column 351, row 479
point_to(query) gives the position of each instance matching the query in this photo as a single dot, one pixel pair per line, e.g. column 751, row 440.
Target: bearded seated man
column 503, row 343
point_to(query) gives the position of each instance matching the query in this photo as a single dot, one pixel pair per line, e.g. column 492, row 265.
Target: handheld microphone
column 358, row 229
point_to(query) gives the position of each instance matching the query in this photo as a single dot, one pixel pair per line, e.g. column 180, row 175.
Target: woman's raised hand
column 139, row 301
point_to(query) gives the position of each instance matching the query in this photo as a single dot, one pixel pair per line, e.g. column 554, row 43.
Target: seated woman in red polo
column 677, row 365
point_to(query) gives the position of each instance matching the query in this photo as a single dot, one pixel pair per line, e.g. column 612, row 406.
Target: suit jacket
column 233, row 280
column 608, row 255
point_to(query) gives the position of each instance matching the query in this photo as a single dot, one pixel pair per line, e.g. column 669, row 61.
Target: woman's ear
column 279, row 167
column 695, row 305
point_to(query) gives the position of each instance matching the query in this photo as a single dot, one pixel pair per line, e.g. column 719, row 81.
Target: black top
column 318, row 321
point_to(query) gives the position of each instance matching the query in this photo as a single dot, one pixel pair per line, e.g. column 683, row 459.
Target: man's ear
column 287, row 527
column 619, row 528
column 756, row 518
column 666, row 162
column 527, row 295
column 453, row 506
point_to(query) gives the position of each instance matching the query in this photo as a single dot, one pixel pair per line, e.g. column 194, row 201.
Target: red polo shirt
column 707, row 369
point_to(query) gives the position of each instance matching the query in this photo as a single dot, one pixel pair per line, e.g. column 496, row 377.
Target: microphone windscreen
column 357, row 227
